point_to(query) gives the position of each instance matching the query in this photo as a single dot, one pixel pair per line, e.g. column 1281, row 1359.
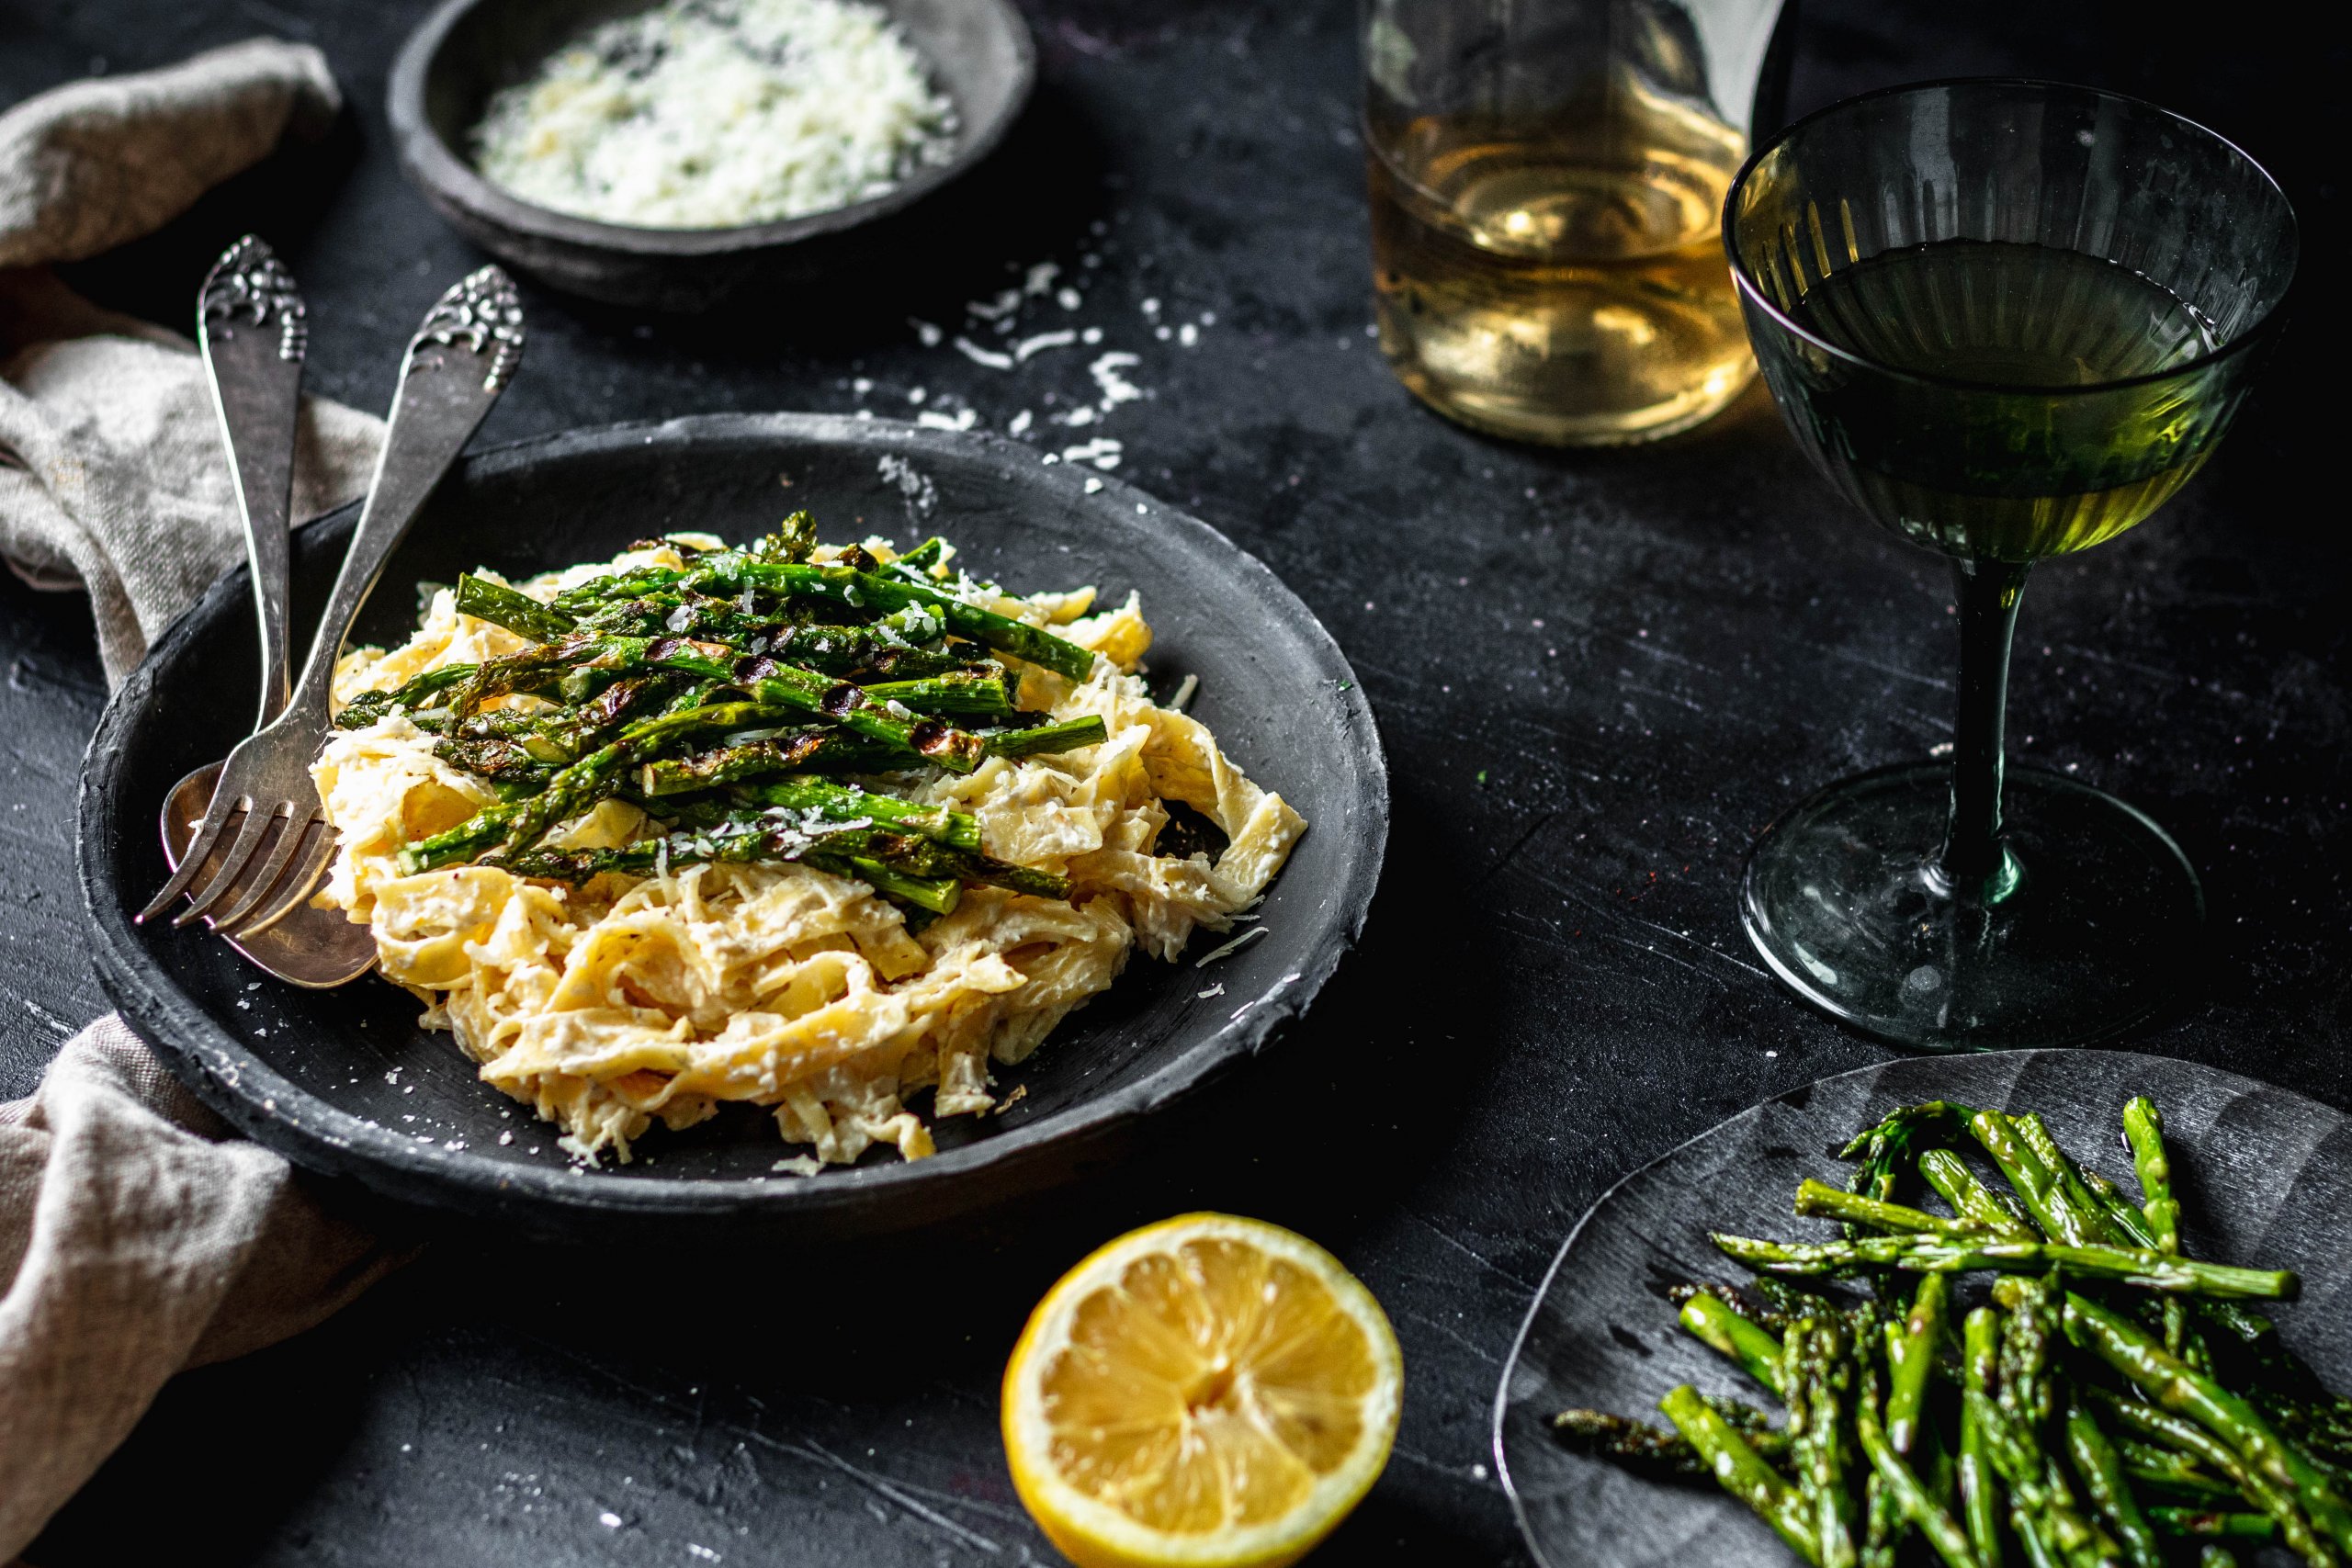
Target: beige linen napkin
column 111, row 473
column 138, row 1236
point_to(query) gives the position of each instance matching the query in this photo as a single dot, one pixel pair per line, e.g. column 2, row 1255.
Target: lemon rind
column 1119, row 1536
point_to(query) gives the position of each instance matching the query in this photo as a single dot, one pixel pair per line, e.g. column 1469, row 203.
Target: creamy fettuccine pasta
column 628, row 999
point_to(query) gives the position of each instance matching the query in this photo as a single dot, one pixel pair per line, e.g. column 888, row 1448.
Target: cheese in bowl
column 806, row 827
column 711, row 114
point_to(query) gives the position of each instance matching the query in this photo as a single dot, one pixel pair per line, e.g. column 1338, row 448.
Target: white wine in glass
column 2008, row 319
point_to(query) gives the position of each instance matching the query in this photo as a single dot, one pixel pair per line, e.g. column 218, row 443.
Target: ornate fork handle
column 257, row 394
column 457, row 364
column 482, row 316
column 249, row 281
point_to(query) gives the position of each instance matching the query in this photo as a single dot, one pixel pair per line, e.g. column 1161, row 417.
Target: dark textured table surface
column 1597, row 677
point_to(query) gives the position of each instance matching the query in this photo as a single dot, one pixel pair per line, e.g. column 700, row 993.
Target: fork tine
column 231, row 876
column 216, row 813
column 298, row 885
column 256, row 886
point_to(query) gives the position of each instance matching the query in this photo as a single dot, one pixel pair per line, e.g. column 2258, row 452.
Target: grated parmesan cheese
column 705, row 114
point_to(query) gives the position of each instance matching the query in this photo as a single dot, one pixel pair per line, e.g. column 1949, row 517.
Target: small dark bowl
column 980, row 51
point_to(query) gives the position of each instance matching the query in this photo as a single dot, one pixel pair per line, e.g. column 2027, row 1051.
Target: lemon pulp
column 1206, row 1390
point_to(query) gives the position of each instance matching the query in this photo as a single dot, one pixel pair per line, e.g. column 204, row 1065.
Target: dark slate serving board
column 2264, row 1175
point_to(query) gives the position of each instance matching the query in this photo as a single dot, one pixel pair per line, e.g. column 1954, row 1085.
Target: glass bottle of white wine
column 1547, row 182
column 1560, row 283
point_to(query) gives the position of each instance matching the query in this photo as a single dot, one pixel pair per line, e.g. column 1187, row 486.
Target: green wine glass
column 2008, row 319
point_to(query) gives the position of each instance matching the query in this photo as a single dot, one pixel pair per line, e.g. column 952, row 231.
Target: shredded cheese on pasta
column 626, row 1001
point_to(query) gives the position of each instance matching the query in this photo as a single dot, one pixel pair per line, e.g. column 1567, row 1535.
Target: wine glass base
column 1843, row 899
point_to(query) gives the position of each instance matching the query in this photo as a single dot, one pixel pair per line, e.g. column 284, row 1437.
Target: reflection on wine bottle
column 1562, row 280
column 2025, row 430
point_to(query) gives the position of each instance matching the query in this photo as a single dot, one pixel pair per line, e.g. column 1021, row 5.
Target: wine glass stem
column 1975, row 862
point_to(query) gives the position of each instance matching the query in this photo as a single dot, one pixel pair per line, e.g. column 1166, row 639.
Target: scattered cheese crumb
column 1029, row 347
column 1231, row 947
column 979, row 356
column 1102, row 452
column 1115, row 388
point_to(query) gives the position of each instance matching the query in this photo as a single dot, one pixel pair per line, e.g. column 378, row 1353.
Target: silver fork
column 457, row 364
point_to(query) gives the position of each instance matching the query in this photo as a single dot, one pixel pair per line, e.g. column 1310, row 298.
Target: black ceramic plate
column 2265, row 1176
column 344, row 1081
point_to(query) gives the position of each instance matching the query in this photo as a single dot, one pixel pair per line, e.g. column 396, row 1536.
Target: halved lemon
column 1210, row 1392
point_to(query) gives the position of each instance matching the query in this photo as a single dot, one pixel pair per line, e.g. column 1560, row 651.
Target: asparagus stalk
column 1710, row 1320
column 980, row 693
column 2196, row 1442
column 874, row 652
column 1971, row 1199
column 861, row 854
column 789, row 835
column 1881, row 1145
column 2171, row 1384
column 1948, row 1255
column 536, row 670
column 1002, row 632
column 1941, row 1531
column 1063, row 735
column 1911, row 1355
column 2199, row 1522
column 1980, row 1487
column 1772, row 1317
column 783, row 685
column 1882, row 1149
column 2043, row 1511
column 1883, row 1524
column 2108, row 1485
column 2028, row 1336
column 1640, row 1446
column 2163, row 1470
column 2099, row 1220
column 515, row 827
column 517, row 612
column 734, row 573
column 1818, row 1377
column 418, row 692
column 1634, row 1444
column 786, row 751
column 846, row 803
column 1739, row 1469
column 917, row 563
column 1821, row 1198
column 2045, row 1197
column 2144, row 1130
column 938, row 895
column 511, row 747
